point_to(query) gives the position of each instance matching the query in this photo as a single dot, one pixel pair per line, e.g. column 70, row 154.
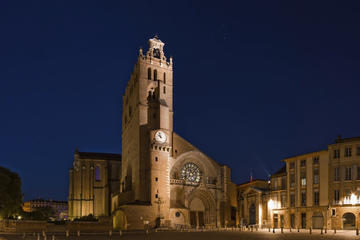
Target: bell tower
column 147, row 125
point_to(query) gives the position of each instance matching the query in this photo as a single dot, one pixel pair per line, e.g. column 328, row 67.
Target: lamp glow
column 353, row 199
column 270, row 204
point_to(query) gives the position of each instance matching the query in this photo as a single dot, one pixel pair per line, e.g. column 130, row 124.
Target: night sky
column 254, row 81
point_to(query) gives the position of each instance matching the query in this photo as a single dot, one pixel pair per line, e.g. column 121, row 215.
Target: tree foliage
column 10, row 193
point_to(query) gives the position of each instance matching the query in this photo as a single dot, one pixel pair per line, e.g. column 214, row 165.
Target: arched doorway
column 317, row 220
column 197, row 210
column 349, row 221
column 252, row 214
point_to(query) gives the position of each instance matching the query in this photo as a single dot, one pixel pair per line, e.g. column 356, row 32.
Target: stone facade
column 315, row 190
column 154, row 188
column 164, row 180
column 93, row 178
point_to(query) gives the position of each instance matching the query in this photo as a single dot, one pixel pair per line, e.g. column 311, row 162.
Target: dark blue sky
column 255, row 81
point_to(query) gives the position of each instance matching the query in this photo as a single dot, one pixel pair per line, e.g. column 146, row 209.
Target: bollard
column 53, row 237
column 257, row 228
column 269, row 229
column 45, row 236
column 321, row 231
column 110, row 232
column 38, row 236
column 325, row 230
column 67, row 233
column 334, row 230
column 310, row 230
column 282, row 229
column 298, row 230
column 357, row 232
column 78, row 233
column 33, row 234
column 120, row 232
column 273, row 230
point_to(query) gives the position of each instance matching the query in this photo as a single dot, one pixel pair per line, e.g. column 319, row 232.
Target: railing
column 184, row 182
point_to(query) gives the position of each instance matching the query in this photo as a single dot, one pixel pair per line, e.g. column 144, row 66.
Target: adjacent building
column 60, row 208
column 314, row 190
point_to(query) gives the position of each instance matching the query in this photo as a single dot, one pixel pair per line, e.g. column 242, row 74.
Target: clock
column 160, row 137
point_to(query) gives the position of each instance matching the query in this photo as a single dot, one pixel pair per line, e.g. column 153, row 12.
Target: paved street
column 226, row 235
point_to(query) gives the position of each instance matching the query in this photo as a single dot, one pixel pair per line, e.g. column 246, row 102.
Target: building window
column 358, row 173
column 274, row 184
column 97, row 173
column 156, row 179
column 303, row 199
column 164, row 89
column 348, row 152
column 156, row 159
column 155, row 75
column 156, row 195
column 292, row 180
column 333, row 212
column 283, row 200
column 358, row 150
column 316, row 198
column 337, row 153
column 303, row 220
column 292, row 220
column 149, row 73
column 283, row 183
column 292, row 165
column 164, row 77
column 348, row 173
column 316, row 176
column 292, row 200
column 303, row 163
column 316, row 160
column 336, row 174
column 303, row 178
column 336, row 196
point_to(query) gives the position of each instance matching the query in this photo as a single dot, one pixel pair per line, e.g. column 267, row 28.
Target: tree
column 10, row 193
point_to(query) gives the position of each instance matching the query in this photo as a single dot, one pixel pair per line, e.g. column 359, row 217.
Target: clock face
column 160, row 137
column 191, row 173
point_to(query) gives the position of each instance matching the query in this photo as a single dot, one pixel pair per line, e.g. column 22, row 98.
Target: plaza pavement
column 192, row 235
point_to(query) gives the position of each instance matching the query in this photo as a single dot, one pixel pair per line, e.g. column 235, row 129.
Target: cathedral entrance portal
column 197, row 209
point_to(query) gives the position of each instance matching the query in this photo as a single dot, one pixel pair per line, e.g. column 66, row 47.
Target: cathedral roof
column 102, row 156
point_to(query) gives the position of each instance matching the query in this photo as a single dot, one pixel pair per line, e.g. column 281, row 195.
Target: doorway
column 252, row 214
column 317, row 220
column 349, row 221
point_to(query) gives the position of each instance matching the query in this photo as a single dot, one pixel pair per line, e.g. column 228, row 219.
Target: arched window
column 164, row 77
column 149, row 73
column 164, row 89
column 97, row 173
column 155, row 75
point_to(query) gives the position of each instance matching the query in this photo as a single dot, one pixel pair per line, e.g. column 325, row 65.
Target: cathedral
column 160, row 178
